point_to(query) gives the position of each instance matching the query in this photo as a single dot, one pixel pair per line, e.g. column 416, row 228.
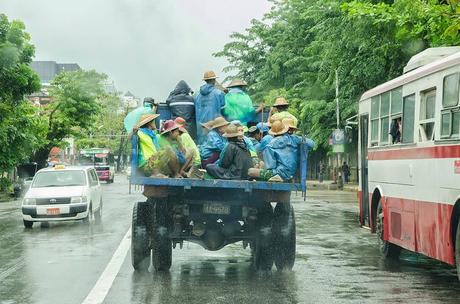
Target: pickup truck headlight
column 29, row 201
column 78, row 199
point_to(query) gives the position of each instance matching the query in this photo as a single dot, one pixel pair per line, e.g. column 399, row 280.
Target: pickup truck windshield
column 60, row 179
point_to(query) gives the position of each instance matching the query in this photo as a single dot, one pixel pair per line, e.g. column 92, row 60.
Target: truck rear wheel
column 161, row 242
column 387, row 249
column 140, row 249
column 262, row 245
column 284, row 236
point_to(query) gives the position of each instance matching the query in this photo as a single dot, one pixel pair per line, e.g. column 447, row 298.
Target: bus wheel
column 140, row 250
column 161, row 242
column 457, row 250
column 387, row 249
column 284, row 236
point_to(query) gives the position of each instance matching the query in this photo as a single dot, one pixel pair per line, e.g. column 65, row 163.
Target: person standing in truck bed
column 208, row 103
column 182, row 104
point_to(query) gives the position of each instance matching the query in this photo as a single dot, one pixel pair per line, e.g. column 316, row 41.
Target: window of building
column 427, row 113
column 408, row 119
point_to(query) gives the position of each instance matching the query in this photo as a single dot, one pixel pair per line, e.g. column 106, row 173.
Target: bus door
column 364, row 124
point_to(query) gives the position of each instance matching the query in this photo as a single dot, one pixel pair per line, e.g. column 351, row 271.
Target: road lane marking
column 105, row 281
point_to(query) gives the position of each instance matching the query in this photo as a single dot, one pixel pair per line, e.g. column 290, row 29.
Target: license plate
column 53, row 211
column 216, row 209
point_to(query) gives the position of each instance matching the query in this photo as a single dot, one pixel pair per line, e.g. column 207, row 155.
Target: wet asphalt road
column 337, row 262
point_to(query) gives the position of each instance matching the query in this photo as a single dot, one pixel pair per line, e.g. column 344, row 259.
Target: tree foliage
column 21, row 129
column 73, row 110
column 298, row 46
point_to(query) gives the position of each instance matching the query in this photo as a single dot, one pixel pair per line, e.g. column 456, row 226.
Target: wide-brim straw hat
column 207, row 125
column 280, row 101
column 209, row 75
column 278, row 128
column 170, row 125
column 146, row 118
column 290, row 123
column 232, row 131
column 237, row 83
column 219, row 122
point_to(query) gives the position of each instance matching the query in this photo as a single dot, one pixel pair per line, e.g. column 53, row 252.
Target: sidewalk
column 329, row 185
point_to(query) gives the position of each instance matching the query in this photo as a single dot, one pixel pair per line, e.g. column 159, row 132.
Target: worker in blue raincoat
column 215, row 143
column 208, row 103
column 281, row 156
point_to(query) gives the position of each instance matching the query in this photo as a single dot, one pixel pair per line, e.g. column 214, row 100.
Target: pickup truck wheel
column 387, row 249
column 284, row 236
column 98, row 213
column 263, row 249
column 140, row 250
column 28, row 224
column 161, row 243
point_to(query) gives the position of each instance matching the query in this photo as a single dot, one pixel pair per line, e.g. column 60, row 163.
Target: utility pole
column 337, row 96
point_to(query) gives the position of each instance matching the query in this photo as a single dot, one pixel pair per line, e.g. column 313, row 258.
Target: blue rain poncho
column 260, row 147
column 208, row 106
column 282, row 155
column 214, row 143
column 238, row 106
column 133, row 117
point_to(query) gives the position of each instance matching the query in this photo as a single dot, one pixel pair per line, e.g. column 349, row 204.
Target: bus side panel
column 401, row 222
column 433, row 223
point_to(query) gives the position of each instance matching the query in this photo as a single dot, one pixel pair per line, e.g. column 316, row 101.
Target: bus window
column 384, row 118
column 408, row 119
column 450, row 91
column 427, row 109
column 450, row 115
column 375, row 106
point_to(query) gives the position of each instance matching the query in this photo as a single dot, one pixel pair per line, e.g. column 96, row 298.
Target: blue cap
column 263, row 127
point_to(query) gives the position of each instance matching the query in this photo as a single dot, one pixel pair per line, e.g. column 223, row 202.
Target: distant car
column 62, row 193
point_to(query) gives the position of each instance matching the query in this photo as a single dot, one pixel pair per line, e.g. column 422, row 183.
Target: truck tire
column 284, row 236
column 387, row 249
column 161, row 242
column 28, row 224
column 140, row 249
column 262, row 248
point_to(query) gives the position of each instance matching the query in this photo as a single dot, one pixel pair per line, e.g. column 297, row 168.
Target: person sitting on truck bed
column 188, row 142
column 152, row 159
column 235, row 160
column 214, row 143
column 279, row 111
column 170, row 139
column 281, row 157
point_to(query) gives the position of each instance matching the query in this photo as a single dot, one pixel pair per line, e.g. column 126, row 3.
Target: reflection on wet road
column 337, row 262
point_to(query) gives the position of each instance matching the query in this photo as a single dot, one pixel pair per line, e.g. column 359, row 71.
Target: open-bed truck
column 214, row 213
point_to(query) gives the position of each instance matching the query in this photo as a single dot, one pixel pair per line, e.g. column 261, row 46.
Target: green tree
column 300, row 44
column 73, row 110
column 21, row 129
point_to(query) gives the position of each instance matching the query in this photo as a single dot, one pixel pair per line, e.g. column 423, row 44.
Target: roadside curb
column 330, row 187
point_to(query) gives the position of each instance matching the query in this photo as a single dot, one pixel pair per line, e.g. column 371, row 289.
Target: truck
column 213, row 214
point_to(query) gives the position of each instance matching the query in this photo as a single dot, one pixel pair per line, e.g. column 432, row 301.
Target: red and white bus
column 409, row 158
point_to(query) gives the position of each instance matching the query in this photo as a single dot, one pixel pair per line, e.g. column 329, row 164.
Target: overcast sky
column 145, row 46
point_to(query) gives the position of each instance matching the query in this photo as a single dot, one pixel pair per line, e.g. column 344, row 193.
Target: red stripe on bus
column 416, row 153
